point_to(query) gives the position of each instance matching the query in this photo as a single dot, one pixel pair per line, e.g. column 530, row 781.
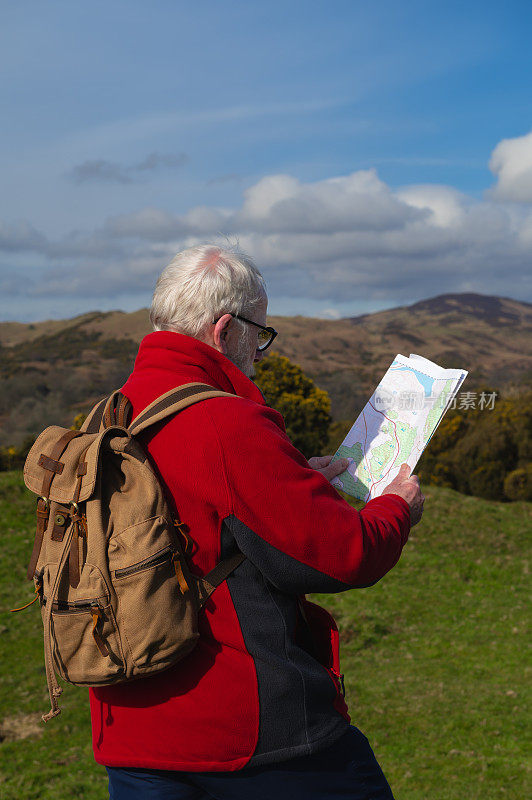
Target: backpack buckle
column 61, row 520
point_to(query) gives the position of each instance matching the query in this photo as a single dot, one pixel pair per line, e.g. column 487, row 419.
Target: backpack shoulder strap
column 173, row 401
column 170, row 403
column 115, row 409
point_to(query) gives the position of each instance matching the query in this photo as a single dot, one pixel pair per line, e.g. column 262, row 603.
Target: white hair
column 201, row 284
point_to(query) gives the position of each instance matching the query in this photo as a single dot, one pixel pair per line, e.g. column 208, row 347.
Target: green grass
column 434, row 655
column 57, row 762
column 434, row 658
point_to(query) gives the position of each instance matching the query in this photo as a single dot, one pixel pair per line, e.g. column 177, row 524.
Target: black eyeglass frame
column 273, row 333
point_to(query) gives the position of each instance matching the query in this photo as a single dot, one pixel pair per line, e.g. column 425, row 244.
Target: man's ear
column 219, row 333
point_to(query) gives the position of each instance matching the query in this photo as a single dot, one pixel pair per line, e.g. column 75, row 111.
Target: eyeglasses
column 266, row 335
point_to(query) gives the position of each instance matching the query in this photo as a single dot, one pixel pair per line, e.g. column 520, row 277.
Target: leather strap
column 49, row 464
column 81, row 471
column 117, row 411
column 43, row 503
column 125, row 409
column 96, row 614
column 216, row 576
column 57, row 451
column 73, row 556
column 109, row 414
column 43, row 511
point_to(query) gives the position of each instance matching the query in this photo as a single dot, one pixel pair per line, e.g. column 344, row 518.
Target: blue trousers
column 347, row 769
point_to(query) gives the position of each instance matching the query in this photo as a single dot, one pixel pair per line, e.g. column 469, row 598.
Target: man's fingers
column 334, row 469
column 318, row 462
column 404, row 471
column 342, row 465
column 328, row 470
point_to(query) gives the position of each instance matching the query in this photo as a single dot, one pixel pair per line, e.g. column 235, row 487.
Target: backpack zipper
column 73, row 605
column 152, row 561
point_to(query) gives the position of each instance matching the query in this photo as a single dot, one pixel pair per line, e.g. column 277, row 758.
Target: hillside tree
column 305, row 407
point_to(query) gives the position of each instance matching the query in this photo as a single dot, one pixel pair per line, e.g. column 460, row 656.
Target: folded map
column 396, row 424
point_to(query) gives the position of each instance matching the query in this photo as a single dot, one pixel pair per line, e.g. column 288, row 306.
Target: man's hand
column 407, row 487
column 323, row 464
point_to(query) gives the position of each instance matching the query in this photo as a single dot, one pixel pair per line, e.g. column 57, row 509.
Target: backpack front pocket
column 155, row 606
column 86, row 649
column 85, row 643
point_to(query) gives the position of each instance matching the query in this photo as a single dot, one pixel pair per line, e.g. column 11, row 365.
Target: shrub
column 305, row 407
column 518, row 484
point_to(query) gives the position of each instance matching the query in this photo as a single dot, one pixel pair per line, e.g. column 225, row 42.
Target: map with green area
column 396, row 424
column 355, row 481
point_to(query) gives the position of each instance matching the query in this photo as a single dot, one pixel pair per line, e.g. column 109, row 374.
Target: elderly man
column 257, row 709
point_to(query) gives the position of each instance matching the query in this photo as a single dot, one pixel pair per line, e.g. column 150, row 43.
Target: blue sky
column 366, row 155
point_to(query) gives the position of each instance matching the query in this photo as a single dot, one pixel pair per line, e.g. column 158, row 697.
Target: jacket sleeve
column 289, row 521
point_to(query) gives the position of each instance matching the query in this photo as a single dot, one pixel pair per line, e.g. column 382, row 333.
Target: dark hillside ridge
column 52, row 370
column 476, row 305
column 480, row 306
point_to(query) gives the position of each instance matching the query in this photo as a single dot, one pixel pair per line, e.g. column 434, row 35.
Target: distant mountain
column 52, row 370
column 476, row 305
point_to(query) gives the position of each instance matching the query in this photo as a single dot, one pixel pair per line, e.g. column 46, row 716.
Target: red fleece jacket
column 263, row 684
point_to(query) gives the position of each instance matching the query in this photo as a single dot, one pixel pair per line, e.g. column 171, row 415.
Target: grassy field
column 434, row 658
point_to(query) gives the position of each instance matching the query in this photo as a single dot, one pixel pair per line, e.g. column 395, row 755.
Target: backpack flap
column 61, row 468
column 44, row 462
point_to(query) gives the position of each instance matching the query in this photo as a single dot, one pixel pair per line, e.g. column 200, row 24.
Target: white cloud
column 511, row 163
column 205, row 220
column 359, row 201
column 338, row 240
column 444, row 204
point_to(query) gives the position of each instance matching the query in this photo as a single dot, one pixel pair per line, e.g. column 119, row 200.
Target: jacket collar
column 166, row 359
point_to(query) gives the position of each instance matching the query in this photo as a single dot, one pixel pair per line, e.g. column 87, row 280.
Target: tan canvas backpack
column 117, row 599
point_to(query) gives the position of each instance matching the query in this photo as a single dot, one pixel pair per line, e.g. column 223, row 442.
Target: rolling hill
column 54, row 369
